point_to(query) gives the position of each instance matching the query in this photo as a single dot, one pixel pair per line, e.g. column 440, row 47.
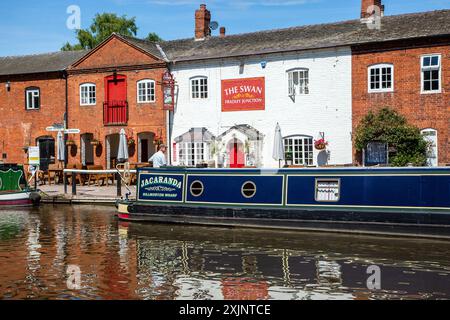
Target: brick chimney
column 223, row 32
column 366, row 4
column 202, row 22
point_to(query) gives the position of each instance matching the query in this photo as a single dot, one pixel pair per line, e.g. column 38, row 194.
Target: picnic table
column 99, row 177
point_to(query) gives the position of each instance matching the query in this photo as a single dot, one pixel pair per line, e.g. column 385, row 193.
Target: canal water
column 86, row 253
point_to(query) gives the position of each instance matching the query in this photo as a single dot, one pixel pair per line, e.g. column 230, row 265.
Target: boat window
column 328, row 190
column 249, row 190
column 197, row 188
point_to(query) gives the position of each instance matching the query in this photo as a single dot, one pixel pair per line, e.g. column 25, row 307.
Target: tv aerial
column 214, row 25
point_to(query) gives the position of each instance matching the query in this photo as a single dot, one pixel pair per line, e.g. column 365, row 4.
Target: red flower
column 320, row 144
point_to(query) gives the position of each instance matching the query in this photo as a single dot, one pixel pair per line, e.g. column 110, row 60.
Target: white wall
column 327, row 108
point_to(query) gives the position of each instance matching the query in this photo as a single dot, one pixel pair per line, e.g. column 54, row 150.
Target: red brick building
column 117, row 85
column 32, row 97
column 411, row 76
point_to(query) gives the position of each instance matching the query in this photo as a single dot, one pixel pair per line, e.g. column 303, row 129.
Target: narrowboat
column 392, row 201
column 14, row 189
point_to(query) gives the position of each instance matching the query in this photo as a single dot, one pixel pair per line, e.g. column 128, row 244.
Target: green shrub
column 392, row 128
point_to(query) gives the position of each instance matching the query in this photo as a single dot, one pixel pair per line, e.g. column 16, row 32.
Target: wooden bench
column 79, row 178
column 55, row 172
column 97, row 177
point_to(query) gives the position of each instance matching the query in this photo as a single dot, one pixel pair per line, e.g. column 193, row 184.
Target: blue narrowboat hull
column 369, row 200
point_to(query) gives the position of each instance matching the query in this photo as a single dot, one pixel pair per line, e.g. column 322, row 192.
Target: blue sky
column 31, row 26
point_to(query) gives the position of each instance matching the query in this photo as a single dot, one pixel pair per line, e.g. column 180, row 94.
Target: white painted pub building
column 232, row 91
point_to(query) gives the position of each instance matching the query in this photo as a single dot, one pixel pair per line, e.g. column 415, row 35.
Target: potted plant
column 158, row 141
column 131, row 141
column 288, row 158
column 320, row 144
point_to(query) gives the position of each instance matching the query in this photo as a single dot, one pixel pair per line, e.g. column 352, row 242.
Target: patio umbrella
column 61, row 147
column 122, row 155
column 278, row 148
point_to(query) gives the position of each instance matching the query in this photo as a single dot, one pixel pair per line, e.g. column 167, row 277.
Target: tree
column 392, row 128
column 101, row 28
column 153, row 37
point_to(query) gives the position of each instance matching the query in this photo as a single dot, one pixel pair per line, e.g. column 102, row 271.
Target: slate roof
column 196, row 135
column 249, row 131
column 399, row 27
column 39, row 63
column 346, row 33
column 149, row 47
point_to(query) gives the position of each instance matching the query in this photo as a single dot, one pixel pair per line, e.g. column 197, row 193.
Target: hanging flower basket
column 131, row 141
column 158, row 141
column 320, row 144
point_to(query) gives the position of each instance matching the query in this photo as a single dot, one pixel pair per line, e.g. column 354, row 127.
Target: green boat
column 14, row 188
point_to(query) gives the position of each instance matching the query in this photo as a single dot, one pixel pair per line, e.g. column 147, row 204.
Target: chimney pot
column 223, row 32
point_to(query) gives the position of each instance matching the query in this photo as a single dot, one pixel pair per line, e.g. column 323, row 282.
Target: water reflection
column 137, row 261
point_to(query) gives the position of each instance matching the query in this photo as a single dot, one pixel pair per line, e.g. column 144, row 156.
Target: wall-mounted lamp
column 263, row 64
column 241, row 67
column 8, row 86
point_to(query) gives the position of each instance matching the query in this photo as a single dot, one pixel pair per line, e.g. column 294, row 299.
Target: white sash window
column 88, row 94
column 381, row 78
column 431, row 74
column 298, row 82
column 146, row 91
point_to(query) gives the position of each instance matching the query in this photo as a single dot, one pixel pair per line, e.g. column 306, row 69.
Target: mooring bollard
column 74, row 184
column 65, row 183
column 119, row 184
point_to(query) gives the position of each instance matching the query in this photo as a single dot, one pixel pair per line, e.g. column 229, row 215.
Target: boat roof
column 306, row 171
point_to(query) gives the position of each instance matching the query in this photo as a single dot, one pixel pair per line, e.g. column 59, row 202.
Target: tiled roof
column 150, row 47
column 406, row 26
column 39, row 63
column 346, row 33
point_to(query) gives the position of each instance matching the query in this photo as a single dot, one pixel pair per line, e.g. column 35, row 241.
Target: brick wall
column 115, row 56
column 143, row 117
column 115, row 53
column 422, row 110
column 21, row 127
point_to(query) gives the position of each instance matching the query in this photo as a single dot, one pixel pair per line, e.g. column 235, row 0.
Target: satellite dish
column 214, row 25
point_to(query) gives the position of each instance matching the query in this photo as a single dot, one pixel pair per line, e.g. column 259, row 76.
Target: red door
column 116, row 106
column 237, row 156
